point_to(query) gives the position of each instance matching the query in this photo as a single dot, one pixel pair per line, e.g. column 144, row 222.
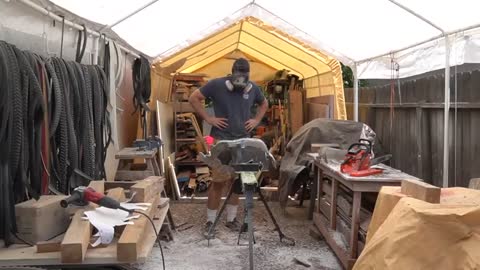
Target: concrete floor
column 189, row 249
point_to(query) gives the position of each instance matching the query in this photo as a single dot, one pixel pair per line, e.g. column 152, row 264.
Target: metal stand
column 249, row 189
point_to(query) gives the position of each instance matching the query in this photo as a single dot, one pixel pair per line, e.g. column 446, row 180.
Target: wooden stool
column 126, row 156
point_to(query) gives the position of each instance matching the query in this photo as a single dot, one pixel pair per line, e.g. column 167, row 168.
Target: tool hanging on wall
column 142, row 90
column 81, row 51
column 55, row 105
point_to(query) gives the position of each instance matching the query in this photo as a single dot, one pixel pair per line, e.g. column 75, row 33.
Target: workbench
column 356, row 185
column 72, row 249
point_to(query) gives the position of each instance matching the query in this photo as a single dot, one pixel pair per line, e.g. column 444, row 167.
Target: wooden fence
column 414, row 135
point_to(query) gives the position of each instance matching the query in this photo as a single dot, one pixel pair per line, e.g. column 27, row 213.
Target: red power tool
column 81, row 196
column 358, row 160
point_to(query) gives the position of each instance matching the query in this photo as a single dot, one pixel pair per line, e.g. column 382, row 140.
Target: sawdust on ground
column 189, row 249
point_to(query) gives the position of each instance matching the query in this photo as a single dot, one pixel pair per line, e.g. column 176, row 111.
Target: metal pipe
column 418, row 16
column 57, row 18
column 446, row 112
column 95, row 50
column 420, row 43
column 128, row 16
column 355, row 93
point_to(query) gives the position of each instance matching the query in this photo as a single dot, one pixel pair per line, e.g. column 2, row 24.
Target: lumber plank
column 145, row 190
column 77, row 237
column 421, row 190
column 130, row 243
column 75, row 243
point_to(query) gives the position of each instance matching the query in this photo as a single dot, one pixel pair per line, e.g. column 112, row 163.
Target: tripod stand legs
column 282, row 236
column 217, row 218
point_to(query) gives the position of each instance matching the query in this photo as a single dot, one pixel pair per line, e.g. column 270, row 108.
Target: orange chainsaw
column 358, row 160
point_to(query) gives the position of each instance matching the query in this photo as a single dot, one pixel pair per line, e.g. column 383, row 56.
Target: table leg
column 333, row 205
column 313, row 193
column 357, row 200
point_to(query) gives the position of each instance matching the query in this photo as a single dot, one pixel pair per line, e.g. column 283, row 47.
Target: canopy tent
column 418, row 36
column 322, row 73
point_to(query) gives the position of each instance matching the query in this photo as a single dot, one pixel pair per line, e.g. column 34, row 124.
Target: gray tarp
column 295, row 160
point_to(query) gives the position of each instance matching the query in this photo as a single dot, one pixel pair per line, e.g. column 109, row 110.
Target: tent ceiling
column 352, row 31
column 250, row 36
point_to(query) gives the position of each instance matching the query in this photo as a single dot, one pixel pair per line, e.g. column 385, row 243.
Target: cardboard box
column 41, row 220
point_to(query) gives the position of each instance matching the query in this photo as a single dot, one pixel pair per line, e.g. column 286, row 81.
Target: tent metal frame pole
column 128, row 16
column 447, row 90
column 355, row 93
column 446, row 113
column 57, row 18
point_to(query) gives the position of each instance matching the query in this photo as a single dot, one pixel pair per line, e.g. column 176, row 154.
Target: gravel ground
column 189, row 249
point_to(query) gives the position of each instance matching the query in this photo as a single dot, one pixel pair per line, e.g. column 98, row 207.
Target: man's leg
column 232, row 205
column 214, row 198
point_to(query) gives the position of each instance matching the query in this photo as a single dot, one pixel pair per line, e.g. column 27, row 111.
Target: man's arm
column 195, row 100
column 262, row 109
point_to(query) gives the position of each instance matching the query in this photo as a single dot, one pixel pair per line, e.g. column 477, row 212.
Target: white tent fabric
column 367, row 35
column 352, row 31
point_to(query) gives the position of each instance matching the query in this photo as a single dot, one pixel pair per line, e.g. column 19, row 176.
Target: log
column 421, row 190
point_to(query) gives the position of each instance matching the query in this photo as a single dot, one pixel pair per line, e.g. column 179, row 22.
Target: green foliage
column 347, row 75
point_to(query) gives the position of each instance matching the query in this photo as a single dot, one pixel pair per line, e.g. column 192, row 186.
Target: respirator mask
column 239, row 80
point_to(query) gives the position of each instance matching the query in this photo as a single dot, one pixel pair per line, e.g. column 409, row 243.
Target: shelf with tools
column 192, row 175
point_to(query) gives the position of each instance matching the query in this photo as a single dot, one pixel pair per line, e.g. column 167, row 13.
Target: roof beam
column 418, row 16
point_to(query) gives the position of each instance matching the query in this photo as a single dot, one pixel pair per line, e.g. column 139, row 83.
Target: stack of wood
column 132, row 243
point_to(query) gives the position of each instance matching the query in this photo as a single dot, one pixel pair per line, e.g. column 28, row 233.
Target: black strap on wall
column 142, row 89
column 75, row 97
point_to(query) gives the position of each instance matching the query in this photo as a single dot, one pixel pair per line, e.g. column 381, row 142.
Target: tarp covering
column 406, row 233
column 296, row 158
column 351, row 31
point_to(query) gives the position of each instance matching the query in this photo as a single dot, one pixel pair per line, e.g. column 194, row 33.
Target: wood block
column 202, row 170
column 41, row 220
column 421, row 190
column 98, row 185
column 122, row 184
column 147, row 189
column 117, row 193
column 163, row 202
column 129, row 245
column 52, row 245
column 474, row 183
column 75, row 243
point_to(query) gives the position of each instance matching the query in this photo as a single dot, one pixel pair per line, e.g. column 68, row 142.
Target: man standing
column 233, row 98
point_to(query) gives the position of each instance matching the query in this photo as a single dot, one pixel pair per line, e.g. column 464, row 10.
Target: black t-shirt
column 234, row 105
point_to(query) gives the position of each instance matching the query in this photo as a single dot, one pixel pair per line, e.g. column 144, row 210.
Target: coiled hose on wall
column 49, row 104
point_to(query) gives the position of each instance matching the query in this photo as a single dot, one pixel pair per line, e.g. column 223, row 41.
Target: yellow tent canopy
column 321, row 73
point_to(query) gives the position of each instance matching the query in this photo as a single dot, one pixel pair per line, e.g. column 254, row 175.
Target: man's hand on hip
column 251, row 124
column 220, row 123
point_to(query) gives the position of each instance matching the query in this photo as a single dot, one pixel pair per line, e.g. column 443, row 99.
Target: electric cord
column 156, row 233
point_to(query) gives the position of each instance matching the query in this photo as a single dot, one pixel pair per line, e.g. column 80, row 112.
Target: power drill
column 83, row 195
